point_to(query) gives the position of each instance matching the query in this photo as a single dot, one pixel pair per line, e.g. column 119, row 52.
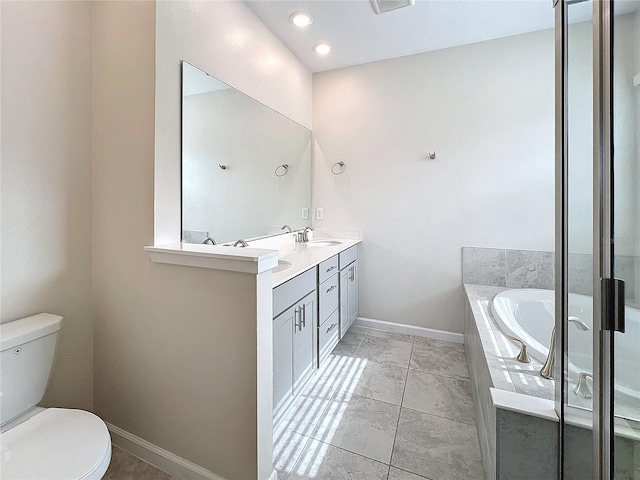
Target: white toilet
column 43, row 443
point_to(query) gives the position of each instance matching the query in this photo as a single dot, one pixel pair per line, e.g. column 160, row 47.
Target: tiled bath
column 512, row 442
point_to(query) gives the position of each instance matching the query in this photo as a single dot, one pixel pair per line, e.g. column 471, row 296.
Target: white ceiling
column 357, row 35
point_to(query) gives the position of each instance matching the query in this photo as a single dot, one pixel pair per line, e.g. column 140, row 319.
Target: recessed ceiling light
column 300, row 19
column 321, row 48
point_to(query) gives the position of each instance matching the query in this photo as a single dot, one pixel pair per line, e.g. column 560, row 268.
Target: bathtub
column 528, row 314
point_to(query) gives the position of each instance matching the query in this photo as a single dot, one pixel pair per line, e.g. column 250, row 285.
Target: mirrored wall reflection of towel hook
column 338, row 168
column 281, row 170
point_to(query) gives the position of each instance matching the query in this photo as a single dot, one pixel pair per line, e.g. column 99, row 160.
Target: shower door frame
column 562, row 221
column 603, row 231
column 603, row 245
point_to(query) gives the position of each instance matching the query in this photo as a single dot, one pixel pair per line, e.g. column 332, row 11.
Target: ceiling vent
column 381, row 6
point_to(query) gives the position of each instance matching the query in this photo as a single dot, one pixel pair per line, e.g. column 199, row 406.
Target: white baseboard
column 410, row 330
column 159, row 457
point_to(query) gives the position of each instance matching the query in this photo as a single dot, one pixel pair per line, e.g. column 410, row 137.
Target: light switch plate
column 319, row 213
column 305, row 213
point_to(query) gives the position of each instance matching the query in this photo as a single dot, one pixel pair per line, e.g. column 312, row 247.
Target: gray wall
column 487, row 111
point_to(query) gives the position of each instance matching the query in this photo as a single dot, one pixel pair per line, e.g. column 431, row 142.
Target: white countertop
column 303, row 256
column 260, row 256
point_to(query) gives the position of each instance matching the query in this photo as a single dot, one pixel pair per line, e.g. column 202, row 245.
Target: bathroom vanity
column 315, row 301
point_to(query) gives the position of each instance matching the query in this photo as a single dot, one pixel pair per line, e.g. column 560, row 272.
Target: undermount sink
column 282, row 265
column 324, row 243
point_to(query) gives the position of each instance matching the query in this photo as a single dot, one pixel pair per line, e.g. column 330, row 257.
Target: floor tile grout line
column 349, row 451
column 409, row 471
column 295, row 462
column 455, row 377
column 440, row 416
column 404, row 388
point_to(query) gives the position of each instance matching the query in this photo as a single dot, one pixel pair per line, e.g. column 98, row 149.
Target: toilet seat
column 56, row 444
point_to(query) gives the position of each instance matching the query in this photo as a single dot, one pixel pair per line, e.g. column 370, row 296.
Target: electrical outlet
column 319, row 213
column 305, row 213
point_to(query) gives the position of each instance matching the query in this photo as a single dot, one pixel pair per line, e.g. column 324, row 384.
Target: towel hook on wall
column 281, row 170
column 432, row 155
column 341, row 168
column 223, row 167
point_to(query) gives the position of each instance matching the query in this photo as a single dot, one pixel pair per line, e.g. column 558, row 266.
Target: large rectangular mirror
column 246, row 169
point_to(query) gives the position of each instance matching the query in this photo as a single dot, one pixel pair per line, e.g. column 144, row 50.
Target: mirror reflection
column 246, row 169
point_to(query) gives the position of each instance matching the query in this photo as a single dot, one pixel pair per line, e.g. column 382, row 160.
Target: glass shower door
column 598, row 225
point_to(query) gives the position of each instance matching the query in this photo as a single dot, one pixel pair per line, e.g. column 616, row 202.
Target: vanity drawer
column 348, row 256
column 293, row 290
column 327, row 268
column 328, row 294
column 328, row 336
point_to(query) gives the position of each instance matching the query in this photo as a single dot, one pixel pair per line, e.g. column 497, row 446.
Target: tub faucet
column 209, row 241
column 305, row 233
column 582, row 388
column 241, row 243
column 547, row 369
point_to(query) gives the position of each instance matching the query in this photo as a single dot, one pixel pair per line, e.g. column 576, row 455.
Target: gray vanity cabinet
column 294, row 336
column 348, row 262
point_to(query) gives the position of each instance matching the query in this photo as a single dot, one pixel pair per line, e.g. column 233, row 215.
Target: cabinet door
column 353, row 293
column 283, row 327
column 304, row 341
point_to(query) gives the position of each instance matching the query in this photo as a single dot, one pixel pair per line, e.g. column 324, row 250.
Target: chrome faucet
column 286, row 227
column 241, row 243
column 209, row 241
column 305, row 234
column 547, row 369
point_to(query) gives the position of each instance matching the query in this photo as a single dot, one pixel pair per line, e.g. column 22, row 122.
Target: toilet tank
column 28, row 347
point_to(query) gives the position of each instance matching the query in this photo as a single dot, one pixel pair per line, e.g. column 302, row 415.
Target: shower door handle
column 612, row 301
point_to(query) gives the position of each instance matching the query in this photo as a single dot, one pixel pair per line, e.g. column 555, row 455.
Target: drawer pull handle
column 332, row 288
column 331, row 268
column 331, row 327
column 297, row 324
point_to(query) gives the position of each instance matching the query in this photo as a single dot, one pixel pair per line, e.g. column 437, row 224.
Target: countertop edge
column 216, row 257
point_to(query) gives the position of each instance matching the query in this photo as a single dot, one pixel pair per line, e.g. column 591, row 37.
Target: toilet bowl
column 43, row 443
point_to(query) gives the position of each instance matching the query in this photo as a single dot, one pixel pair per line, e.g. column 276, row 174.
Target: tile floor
column 383, row 406
column 125, row 466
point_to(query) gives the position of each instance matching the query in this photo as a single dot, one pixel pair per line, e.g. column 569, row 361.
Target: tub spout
column 547, row 369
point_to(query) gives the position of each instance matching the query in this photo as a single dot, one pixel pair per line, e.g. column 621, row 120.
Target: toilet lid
column 55, row 444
